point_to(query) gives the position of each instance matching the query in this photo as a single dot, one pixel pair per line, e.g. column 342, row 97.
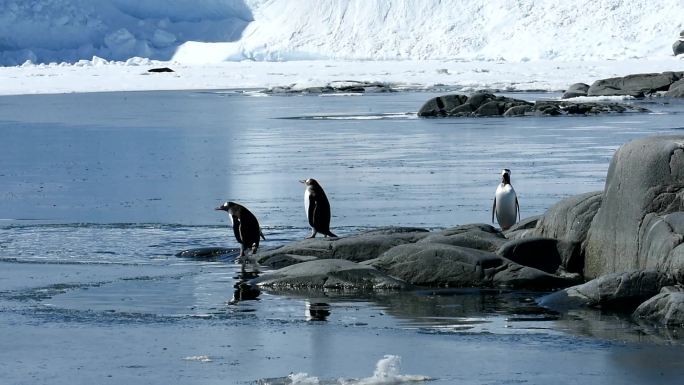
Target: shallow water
column 99, row 191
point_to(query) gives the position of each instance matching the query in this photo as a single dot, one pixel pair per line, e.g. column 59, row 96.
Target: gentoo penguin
column 505, row 204
column 245, row 226
column 317, row 208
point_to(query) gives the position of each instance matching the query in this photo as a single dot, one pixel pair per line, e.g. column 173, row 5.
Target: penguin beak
column 302, row 181
column 219, row 208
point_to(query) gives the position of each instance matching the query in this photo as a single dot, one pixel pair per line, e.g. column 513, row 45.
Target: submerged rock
column 329, row 274
column 666, row 308
column 208, row 253
column 619, row 291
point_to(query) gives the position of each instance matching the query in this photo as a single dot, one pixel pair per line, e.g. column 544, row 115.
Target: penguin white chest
column 506, row 208
column 307, row 194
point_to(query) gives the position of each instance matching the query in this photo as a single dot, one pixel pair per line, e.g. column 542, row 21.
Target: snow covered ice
column 214, row 44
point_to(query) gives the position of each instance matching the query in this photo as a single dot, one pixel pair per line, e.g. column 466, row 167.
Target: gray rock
column 636, row 85
column 547, row 108
column 479, row 236
column 666, row 308
column 525, row 224
column 513, row 275
column 537, row 252
column 328, row 274
column 678, row 47
column 569, row 221
column 676, row 89
column 520, row 110
column 645, row 183
column 313, row 247
column 618, row 292
column 278, row 260
column 440, row 105
column 434, row 264
column 492, row 108
column 575, row 90
column 358, row 247
column 372, row 245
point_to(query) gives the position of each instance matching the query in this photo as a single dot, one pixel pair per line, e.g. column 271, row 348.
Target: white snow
column 54, row 46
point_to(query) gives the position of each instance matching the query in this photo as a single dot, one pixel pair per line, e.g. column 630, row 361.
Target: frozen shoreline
column 99, row 75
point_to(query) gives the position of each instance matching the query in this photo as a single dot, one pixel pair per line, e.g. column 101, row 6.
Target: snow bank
column 516, row 30
column 209, row 31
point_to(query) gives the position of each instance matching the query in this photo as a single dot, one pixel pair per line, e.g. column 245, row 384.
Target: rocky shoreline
column 621, row 249
column 485, row 104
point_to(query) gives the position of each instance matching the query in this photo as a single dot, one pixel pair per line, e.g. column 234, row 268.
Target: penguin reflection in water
column 506, row 205
column 317, row 208
column 245, row 226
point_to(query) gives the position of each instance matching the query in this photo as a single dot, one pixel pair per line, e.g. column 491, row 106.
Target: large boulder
column 576, row 90
column 645, row 184
column 618, row 292
column 435, row 264
column 636, row 85
column 569, row 221
column 666, row 308
column 328, row 274
column 676, row 89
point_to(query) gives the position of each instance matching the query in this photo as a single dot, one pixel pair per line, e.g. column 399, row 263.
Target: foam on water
column 386, row 373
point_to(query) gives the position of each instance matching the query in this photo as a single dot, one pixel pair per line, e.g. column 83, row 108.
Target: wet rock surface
column 618, row 291
column 329, row 274
column 208, row 253
column 666, row 308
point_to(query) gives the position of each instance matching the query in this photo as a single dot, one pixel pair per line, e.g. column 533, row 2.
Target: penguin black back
column 245, row 226
column 317, row 208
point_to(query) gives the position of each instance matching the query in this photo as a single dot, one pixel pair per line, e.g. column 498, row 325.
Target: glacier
column 212, row 31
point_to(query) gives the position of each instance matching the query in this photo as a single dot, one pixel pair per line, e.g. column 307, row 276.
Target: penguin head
column 227, row 206
column 506, row 176
column 310, row 182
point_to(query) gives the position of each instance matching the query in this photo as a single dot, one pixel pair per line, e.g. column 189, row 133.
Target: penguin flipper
column 236, row 229
column 517, row 207
column 262, row 234
column 312, row 210
column 493, row 209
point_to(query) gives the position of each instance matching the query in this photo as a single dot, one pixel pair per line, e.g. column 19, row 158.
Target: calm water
column 99, row 191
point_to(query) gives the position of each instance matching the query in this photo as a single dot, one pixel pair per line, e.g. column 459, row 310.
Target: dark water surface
column 99, row 191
